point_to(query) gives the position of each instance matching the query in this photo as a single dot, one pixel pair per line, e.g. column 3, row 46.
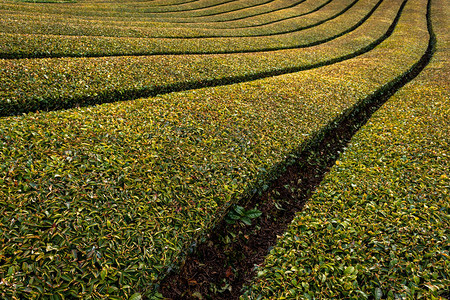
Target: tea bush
column 378, row 226
column 102, row 201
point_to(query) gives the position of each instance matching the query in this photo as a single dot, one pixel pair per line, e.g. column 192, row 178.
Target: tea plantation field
column 130, row 129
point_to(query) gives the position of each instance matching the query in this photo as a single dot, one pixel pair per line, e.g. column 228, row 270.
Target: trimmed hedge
column 378, row 226
column 103, row 201
column 29, row 85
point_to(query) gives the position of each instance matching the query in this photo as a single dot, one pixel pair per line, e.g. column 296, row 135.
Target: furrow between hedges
column 49, row 102
column 228, row 257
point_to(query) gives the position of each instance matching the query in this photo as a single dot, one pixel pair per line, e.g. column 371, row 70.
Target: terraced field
column 130, row 132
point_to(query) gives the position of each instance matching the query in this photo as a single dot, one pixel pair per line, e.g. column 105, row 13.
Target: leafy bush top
column 32, row 84
column 378, row 225
column 101, row 201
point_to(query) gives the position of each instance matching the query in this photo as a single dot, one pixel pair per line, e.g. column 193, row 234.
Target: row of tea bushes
column 378, row 226
column 60, row 26
column 102, row 201
column 44, row 84
column 26, row 45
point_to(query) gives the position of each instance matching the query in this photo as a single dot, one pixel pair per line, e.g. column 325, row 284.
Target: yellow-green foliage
column 16, row 22
column 30, row 45
column 127, row 11
column 123, row 188
column 18, row 15
column 101, row 201
column 255, row 16
column 31, row 84
column 378, row 226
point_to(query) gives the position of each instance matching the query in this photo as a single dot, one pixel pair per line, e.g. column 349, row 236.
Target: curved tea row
column 102, row 201
column 24, row 45
column 48, row 84
column 378, row 226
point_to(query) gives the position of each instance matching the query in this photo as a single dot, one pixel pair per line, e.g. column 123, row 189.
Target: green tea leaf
column 135, row 296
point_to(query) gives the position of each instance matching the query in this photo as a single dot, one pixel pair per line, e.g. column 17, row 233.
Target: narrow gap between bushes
column 109, row 96
column 226, row 260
